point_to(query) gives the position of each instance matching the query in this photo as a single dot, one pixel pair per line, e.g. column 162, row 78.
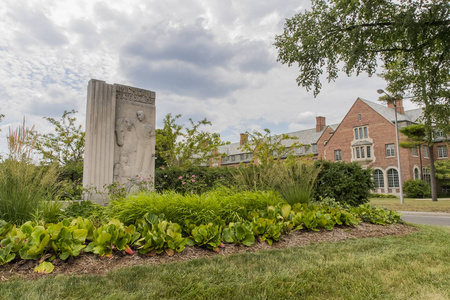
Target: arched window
column 378, row 177
column 393, row 181
column 416, row 173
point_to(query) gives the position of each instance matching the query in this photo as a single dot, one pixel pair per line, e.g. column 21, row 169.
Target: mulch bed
column 88, row 263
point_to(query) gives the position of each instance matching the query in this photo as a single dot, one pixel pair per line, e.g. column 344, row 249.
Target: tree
column 415, row 138
column 443, row 171
column 267, row 149
column 409, row 38
column 191, row 146
column 64, row 147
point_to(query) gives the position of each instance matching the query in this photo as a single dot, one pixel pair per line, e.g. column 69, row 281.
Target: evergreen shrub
column 416, row 189
column 347, row 183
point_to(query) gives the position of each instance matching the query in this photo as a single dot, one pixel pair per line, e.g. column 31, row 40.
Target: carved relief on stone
column 123, row 171
column 134, row 137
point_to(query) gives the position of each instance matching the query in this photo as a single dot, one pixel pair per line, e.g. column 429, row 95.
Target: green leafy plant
column 113, row 235
column 347, row 183
column 207, row 235
column 376, row 215
column 161, row 236
column 67, row 240
column 6, row 255
column 65, row 148
column 37, row 239
column 44, row 267
column 416, row 189
column 375, row 195
column 267, row 229
column 207, row 179
column 239, row 233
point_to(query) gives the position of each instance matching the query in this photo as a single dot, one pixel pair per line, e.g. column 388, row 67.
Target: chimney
column 244, row 138
column 400, row 108
column 320, row 123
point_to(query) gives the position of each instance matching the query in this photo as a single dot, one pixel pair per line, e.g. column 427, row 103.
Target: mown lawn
column 416, row 266
column 413, row 204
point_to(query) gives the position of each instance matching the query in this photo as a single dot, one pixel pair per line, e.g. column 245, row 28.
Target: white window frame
column 338, row 155
column 393, row 179
column 414, row 151
column 442, row 152
column 390, row 150
column 378, row 178
column 425, row 151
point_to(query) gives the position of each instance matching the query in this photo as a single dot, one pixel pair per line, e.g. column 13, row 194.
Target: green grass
column 415, row 266
column 412, row 205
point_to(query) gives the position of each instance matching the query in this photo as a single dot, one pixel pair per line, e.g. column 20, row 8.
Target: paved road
column 428, row 218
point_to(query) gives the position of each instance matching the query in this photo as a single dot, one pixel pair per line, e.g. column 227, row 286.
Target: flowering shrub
column 181, row 180
column 190, row 184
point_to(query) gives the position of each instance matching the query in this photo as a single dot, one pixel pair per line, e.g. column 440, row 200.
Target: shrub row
column 155, row 234
column 347, row 183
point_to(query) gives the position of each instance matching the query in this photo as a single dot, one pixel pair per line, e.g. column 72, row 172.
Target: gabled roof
column 306, row 137
column 389, row 113
column 230, row 149
column 414, row 114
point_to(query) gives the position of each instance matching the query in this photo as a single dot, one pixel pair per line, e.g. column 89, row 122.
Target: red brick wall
column 380, row 133
column 323, row 140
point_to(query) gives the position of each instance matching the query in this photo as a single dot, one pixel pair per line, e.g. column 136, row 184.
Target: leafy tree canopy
column 64, row 146
column 443, row 171
column 182, row 146
column 267, row 148
column 410, row 39
column 415, row 135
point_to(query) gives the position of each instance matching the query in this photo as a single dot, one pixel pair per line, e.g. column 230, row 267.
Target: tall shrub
column 347, row 183
column 416, row 189
column 23, row 185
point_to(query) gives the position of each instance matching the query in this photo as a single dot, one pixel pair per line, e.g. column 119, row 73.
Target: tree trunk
column 432, row 175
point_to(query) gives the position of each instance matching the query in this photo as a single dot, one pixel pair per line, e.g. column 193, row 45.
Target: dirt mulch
column 89, row 263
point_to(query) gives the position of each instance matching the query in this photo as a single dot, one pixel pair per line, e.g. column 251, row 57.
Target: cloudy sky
column 211, row 59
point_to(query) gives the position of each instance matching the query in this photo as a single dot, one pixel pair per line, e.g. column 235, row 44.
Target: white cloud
column 210, row 58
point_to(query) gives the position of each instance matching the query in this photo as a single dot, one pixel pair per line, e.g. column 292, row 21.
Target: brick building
column 308, row 138
column 366, row 135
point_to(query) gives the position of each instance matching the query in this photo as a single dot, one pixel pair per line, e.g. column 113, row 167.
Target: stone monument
column 120, row 138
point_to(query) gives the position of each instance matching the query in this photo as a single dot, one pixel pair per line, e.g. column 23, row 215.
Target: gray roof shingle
column 389, row 113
